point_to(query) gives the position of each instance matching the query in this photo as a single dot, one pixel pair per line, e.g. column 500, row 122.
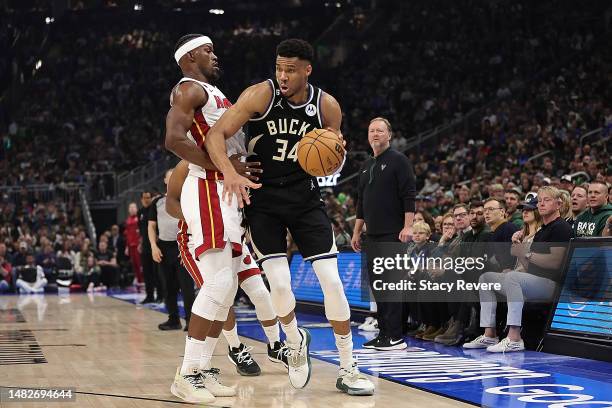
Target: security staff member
column 166, row 253
column 149, row 269
column 386, row 206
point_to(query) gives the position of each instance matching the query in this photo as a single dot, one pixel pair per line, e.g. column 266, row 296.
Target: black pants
column 176, row 276
column 391, row 315
column 149, row 270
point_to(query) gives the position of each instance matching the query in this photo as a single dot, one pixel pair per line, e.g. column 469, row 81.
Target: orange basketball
column 320, row 152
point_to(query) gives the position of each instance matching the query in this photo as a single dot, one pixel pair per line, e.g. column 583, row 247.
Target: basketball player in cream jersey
column 278, row 112
column 216, row 242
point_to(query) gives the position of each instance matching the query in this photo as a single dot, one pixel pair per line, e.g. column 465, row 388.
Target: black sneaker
column 241, row 358
column 146, row 300
column 373, row 343
column 170, row 325
column 278, row 353
column 388, row 343
column 186, row 326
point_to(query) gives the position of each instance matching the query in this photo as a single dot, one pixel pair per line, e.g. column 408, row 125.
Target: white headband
column 190, row 46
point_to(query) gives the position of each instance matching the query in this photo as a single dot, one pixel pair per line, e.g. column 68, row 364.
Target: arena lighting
column 49, row 20
column 338, row 5
column 138, row 7
column 38, row 64
column 216, row 11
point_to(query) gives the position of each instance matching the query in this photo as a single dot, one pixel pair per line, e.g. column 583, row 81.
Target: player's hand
column 236, row 185
column 405, row 234
column 157, row 254
column 246, row 169
column 356, row 242
column 340, row 135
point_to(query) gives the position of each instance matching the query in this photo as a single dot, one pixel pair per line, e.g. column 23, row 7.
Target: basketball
column 320, row 152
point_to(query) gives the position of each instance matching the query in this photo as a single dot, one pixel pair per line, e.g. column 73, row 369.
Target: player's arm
column 175, row 187
column 253, row 100
column 186, row 97
column 331, row 113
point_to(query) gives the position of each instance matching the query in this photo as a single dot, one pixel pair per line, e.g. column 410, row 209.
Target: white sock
column 193, row 353
column 232, row 337
column 272, row 333
column 345, row 349
column 207, row 352
column 292, row 332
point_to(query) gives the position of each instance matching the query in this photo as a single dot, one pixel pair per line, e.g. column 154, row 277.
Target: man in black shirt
column 149, row 269
column 107, row 262
column 543, row 260
column 501, row 235
column 386, row 207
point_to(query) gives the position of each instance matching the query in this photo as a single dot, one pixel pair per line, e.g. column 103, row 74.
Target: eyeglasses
column 461, row 215
column 486, row 210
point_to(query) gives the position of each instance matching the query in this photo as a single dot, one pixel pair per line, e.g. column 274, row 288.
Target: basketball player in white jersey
column 217, row 235
column 278, row 112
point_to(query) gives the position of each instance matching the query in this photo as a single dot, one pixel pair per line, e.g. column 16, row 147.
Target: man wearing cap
column 566, row 183
column 591, row 223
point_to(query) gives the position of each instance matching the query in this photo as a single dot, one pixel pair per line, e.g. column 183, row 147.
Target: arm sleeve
column 407, row 184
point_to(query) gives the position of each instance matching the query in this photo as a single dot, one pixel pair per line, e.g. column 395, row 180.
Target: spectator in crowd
column 133, row 242
column 533, row 223
column 47, row 260
column 19, row 259
column 580, row 202
column 592, row 222
column 496, row 191
column 424, row 216
column 542, row 259
column 31, row 277
column 343, row 239
column 87, row 270
column 6, row 271
column 107, row 261
column 512, row 199
column 116, row 242
column 501, row 234
column 566, row 183
column 566, row 204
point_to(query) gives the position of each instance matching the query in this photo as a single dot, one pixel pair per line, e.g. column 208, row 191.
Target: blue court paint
column 527, row 379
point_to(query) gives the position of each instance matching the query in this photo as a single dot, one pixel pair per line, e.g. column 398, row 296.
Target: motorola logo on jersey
column 311, row 110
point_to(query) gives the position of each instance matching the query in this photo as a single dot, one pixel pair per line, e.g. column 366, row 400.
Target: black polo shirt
column 386, row 192
column 553, row 234
column 143, row 226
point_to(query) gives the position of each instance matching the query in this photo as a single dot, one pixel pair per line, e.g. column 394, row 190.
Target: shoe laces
column 245, row 356
column 195, row 380
column 282, row 351
column 212, row 373
column 352, row 371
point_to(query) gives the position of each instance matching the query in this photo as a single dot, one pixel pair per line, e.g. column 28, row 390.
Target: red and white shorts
column 212, row 222
column 244, row 265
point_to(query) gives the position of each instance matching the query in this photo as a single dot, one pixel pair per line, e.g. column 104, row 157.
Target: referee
column 166, row 254
column 386, row 205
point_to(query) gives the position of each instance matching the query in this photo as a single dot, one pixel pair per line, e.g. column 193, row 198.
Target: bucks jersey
column 273, row 137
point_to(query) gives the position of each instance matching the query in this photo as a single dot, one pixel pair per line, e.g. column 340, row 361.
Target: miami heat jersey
column 273, row 137
column 205, row 117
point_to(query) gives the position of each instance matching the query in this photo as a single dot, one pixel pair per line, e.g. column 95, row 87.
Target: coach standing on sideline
column 166, row 253
column 386, row 206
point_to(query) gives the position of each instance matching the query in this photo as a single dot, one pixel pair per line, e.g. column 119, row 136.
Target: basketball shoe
column 351, row 381
column 190, row 388
column 242, row 359
column 210, row 380
column 298, row 360
column 278, row 353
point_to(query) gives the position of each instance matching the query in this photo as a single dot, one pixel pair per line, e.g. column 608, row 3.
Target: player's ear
column 308, row 70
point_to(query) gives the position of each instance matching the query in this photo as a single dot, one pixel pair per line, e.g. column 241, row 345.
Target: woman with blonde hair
column 533, row 222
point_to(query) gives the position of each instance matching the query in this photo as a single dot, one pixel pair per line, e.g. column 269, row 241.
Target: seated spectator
column 87, row 271
column 579, row 203
column 542, row 261
column 343, row 239
column 512, row 199
column 46, row 259
column 424, row 216
column 65, row 262
column 107, row 261
column 31, row 277
column 533, row 223
column 6, row 271
column 566, row 204
column 592, row 222
column 501, row 234
column 19, row 259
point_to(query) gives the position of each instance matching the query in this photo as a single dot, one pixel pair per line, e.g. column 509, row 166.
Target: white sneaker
column 481, row 341
column 210, row 379
column 190, row 388
column 299, row 361
column 507, row 346
column 351, row 381
column 372, row 327
column 366, row 323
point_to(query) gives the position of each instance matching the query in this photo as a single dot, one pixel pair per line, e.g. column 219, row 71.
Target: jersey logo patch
column 279, row 104
column 311, row 110
column 382, row 167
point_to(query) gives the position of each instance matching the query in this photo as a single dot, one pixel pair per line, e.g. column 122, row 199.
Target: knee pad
column 213, row 297
column 336, row 305
column 258, row 293
column 279, row 278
